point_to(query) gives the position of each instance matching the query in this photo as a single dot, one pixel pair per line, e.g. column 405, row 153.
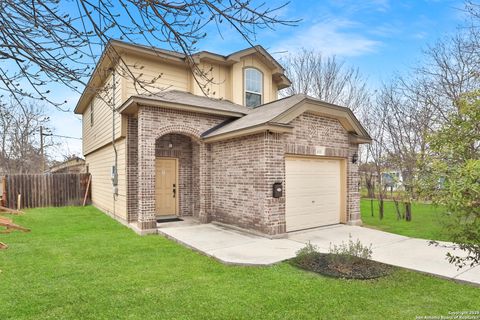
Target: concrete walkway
column 235, row 247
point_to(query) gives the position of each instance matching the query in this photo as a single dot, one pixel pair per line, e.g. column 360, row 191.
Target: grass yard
column 77, row 263
column 426, row 220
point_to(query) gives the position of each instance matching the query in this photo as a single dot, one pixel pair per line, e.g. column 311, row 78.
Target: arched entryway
column 176, row 176
column 183, row 145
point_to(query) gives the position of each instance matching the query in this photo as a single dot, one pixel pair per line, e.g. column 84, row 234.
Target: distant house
column 73, row 165
column 238, row 156
column 392, row 180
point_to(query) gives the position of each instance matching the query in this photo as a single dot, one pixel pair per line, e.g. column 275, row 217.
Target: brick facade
column 153, row 125
column 228, row 181
column 311, row 131
column 238, row 182
column 247, row 167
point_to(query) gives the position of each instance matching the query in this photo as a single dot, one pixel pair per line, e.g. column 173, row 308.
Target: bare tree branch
column 327, row 79
column 43, row 41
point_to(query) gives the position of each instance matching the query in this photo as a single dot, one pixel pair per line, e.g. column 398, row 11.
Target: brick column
column 204, row 183
column 146, row 175
column 132, row 169
column 353, row 192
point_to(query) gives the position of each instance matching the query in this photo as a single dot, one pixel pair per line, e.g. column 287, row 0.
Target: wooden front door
column 166, row 186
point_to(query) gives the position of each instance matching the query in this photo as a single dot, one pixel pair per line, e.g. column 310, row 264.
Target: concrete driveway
column 235, row 247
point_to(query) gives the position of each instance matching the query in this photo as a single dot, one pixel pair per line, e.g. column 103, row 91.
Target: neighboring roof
column 185, row 101
column 115, row 47
column 278, row 114
column 70, row 163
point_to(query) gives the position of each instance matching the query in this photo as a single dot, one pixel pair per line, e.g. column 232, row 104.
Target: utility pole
column 41, row 149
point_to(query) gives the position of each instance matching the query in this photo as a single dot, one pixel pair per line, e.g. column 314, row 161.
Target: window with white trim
column 253, row 87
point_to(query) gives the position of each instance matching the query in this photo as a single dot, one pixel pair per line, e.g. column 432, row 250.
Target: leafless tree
column 58, row 40
column 409, row 122
column 325, row 78
column 19, row 137
column 375, row 121
column 449, row 70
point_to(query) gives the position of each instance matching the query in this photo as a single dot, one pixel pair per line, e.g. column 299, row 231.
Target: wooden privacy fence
column 45, row 190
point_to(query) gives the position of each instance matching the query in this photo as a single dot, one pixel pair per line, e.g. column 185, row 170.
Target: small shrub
column 347, row 260
column 307, row 251
column 306, row 256
column 351, row 250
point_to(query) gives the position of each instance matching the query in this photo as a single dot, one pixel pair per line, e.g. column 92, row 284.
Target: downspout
column 115, row 165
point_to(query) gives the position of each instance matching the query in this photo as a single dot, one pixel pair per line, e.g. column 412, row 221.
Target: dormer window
column 253, row 87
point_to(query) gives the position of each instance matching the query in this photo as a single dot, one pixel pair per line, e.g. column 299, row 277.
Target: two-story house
column 161, row 147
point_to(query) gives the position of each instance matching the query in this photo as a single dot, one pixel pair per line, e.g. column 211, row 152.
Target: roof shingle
column 260, row 115
column 189, row 99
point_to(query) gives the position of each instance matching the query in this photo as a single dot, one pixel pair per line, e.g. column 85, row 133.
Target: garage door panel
column 313, row 191
column 318, row 208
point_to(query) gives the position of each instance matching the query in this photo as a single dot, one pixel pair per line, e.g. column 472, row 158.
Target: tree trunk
column 371, row 206
column 370, row 184
column 399, row 214
column 380, row 207
column 408, row 211
column 408, row 200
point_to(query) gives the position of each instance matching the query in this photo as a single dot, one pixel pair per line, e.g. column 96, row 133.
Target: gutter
column 115, row 165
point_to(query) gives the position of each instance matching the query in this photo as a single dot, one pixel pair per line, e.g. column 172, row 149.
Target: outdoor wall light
column 277, row 190
column 355, row 158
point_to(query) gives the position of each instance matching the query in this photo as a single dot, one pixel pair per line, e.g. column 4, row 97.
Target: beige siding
column 168, row 76
column 100, row 165
column 226, row 81
column 100, row 133
column 274, row 93
column 219, row 87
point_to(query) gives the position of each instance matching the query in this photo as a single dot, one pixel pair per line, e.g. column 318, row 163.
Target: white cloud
column 352, row 7
column 339, row 37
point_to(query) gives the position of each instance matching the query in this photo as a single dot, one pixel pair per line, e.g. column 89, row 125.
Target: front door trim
column 177, row 195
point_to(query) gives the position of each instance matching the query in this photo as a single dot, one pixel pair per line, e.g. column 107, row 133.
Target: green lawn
column 77, row 263
column 426, row 220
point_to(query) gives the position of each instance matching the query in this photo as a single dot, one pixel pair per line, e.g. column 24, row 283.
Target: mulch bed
column 339, row 266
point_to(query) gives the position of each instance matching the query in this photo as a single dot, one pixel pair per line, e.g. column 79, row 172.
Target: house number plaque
column 320, row 150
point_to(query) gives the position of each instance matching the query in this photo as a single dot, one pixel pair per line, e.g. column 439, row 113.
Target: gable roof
column 115, row 47
column 276, row 116
column 182, row 100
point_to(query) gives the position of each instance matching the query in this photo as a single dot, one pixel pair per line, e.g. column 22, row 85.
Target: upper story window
column 253, row 87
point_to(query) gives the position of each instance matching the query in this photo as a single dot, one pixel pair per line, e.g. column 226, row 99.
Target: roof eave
column 131, row 106
column 356, row 139
column 264, row 127
column 87, row 91
column 282, row 81
column 105, row 62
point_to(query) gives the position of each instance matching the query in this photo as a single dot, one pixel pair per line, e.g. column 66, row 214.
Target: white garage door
column 313, row 192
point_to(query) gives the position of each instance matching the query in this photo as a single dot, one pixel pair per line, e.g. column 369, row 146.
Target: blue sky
column 380, row 37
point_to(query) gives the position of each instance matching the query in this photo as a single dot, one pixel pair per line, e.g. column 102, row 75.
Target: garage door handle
column 174, row 191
